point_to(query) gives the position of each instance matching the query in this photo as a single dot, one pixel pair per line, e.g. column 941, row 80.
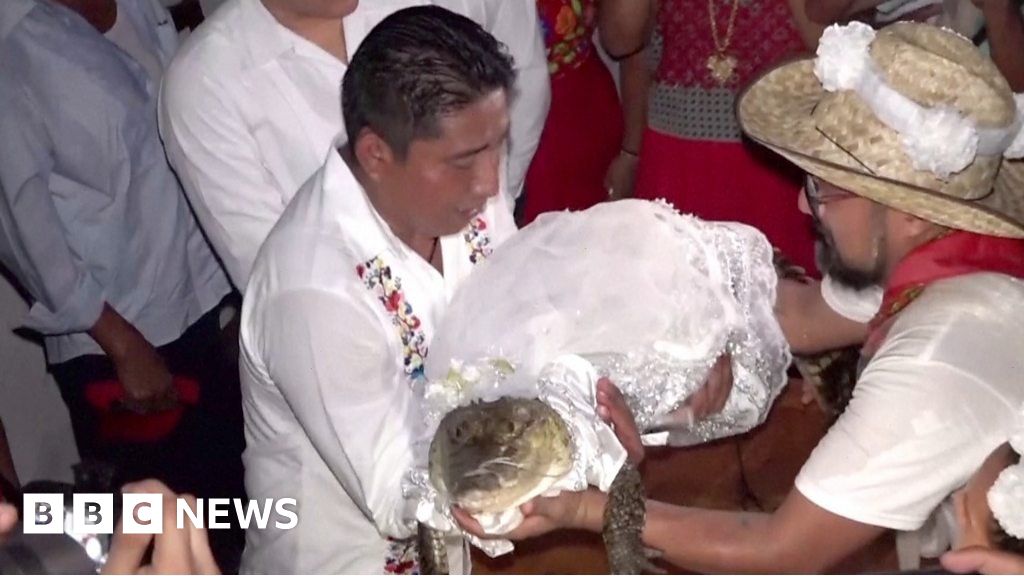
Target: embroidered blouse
column 568, row 28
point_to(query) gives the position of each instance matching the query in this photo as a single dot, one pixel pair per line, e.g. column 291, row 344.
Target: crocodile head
column 493, row 456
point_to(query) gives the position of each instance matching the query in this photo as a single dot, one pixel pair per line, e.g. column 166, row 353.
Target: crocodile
column 493, row 456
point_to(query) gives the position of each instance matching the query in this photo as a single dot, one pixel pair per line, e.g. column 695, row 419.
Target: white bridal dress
column 631, row 290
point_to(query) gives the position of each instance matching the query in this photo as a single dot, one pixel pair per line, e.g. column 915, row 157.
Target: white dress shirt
column 941, row 393
column 90, row 211
column 145, row 31
column 328, row 372
column 249, row 110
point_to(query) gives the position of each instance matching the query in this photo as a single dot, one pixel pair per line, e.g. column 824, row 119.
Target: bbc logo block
column 145, row 513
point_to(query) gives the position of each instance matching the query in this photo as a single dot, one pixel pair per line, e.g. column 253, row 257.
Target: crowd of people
column 340, row 168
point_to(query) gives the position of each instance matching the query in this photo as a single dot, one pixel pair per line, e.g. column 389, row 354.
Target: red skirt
column 582, row 135
column 731, row 181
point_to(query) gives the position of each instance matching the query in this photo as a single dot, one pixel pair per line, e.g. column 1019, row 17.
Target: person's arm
column 635, row 80
column 810, row 31
column 515, row 24
column 809, row 323
column 220, row 167
column 624, row 28
column 331, row 359
column 142, row 372
column 798, row 537
column 1004, row 27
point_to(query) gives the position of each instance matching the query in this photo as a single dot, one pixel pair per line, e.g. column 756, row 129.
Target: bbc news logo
column 144, row 513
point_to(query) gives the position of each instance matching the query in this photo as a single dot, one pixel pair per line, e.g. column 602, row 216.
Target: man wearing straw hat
column 902, row 134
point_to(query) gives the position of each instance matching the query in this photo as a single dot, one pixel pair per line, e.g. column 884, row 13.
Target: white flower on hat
column 1016, row 149
column 944, row 142
column 843, row 55
column 939, row 140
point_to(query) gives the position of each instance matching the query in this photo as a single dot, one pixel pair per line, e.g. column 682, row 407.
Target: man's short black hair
column 416, row 66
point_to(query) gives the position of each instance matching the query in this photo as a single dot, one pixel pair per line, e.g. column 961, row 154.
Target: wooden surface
column 751, row 472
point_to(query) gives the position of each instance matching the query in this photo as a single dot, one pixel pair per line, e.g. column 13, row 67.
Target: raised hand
column 184, row 551
column 612, row 407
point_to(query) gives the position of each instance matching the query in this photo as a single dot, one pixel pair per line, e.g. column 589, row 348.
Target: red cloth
column 582, row 135
column 729, row 181
column 952, row 255
column 764, row 34
column 119, row 425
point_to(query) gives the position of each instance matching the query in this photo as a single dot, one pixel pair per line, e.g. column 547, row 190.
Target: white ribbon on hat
column 939, row 139
column 1006, row 496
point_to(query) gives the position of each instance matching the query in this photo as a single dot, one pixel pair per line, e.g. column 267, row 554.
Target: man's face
column 445, row 182
column 851, row 234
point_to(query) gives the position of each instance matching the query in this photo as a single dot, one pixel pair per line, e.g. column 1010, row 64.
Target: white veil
column 630, row 289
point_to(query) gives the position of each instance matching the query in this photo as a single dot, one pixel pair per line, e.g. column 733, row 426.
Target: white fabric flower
column 943, row 142
column 1006, row 500
column 1016, row 149
column 843, row 55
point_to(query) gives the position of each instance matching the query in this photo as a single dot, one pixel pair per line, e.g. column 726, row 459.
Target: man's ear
column 373, row 154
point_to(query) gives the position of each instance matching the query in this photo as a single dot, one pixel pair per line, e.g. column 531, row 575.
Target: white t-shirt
column 328, row 373
column 249, row 110
column 941, row 393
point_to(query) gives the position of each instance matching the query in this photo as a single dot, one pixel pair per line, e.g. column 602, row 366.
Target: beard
column 830, row 262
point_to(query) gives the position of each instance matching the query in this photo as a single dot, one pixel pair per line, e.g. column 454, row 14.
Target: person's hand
column 148, row 384
column 612, row 407
column 982, row 561
column 707, row 401
column 621, row 176
column 8, row 520
column 184, row 551
column 545, row 514
column 713, row 395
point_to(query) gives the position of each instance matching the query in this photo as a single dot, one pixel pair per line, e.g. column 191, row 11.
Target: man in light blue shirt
column 95, row 227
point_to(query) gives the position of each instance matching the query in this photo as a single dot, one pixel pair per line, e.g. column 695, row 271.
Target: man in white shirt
column 96, row 229
column 250, row 107
column 922, row 216
column 347, row 291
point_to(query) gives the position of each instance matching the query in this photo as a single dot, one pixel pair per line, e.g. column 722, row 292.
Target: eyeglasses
column 816, row 199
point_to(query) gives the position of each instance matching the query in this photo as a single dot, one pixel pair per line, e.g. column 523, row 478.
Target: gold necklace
column 721, row 65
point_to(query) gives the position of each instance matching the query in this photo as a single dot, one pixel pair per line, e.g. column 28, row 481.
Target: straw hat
column 838, row 136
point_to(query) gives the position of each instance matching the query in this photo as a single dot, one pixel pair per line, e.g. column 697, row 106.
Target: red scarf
column 955, row 254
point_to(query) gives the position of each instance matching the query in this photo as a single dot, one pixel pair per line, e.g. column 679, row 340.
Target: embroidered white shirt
column 249, row 109
column 328, row 362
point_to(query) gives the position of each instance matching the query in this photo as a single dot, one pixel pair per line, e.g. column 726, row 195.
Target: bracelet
column 627, row 152
column 633, row 52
